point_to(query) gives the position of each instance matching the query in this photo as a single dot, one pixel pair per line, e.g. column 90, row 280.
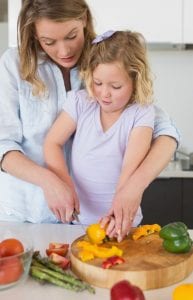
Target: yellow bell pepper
column 85, row 255
column 95, row 233
column 145, row 230
column 183, row 292
column 89, row 249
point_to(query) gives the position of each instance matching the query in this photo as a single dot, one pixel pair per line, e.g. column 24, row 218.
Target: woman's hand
column 62, row 199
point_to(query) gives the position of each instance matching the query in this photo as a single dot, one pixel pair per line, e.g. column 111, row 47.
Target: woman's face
column 62, row 41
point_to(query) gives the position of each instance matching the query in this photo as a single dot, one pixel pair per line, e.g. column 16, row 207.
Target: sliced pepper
column 85, row 255
column 97, row 251
column 112, row 261
column 145, row 230
column 176, row 238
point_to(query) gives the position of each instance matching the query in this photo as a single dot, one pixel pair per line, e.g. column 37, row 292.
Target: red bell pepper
column 111, row 261
column 124, row 290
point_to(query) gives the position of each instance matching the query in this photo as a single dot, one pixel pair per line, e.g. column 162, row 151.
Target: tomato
column 59, row 260
column 59, row 251
column 57, row 248
column 10, row 247
column 11, row 269
column 57, row 245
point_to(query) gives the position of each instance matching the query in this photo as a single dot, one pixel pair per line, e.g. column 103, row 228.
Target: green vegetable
column 176, row 238
column 45, row 271
column 41, row 275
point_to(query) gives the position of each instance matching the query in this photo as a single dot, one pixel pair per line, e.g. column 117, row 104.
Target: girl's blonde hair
column 29, row 47
column 129, row 49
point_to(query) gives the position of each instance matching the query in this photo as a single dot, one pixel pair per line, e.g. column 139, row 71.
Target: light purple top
column 97, row 156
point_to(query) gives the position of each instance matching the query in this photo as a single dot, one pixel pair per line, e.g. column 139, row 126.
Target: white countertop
column 176, row 174
column 42, row 235
column 174, row 170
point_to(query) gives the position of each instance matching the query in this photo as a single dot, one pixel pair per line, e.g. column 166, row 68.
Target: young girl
column 113, row 126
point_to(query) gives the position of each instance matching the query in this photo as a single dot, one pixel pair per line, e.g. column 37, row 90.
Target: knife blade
column 76, row 217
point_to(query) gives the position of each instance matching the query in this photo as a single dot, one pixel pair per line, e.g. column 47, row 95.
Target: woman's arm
column 164, row 125
column 18, row 165
column 156, row 160
column 60, row 132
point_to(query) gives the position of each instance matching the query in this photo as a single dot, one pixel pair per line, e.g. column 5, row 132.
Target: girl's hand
column 62, row 200
column 124, row 207
column 108, row 223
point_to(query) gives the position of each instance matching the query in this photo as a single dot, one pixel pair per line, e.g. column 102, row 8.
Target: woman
column 34, row 80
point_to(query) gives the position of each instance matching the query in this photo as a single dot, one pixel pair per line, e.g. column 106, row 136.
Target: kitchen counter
column 176, row 174
column 42, row 235
column 174, row 170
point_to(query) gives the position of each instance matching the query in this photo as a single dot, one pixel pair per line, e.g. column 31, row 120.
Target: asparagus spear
column 36, row 263
column 38, row 273
column 53, row 270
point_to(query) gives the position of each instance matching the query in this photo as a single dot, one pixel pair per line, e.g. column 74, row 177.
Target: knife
column 76, row 217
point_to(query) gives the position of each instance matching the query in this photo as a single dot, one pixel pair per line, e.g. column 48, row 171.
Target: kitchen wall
column 173, row 88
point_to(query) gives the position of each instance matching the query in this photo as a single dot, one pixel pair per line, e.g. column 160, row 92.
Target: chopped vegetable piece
column 62, row 261
column 98, row 251
column 112, row 261
column 58, row 248
column 145, row 230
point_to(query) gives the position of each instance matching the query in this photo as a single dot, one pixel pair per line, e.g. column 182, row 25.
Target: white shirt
column 24, row 122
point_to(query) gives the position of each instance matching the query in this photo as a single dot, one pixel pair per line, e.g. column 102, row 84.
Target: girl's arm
column 137, row 148
column 60, row 132
column 122, row 209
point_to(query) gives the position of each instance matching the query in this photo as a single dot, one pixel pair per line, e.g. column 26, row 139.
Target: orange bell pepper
column 145, row 230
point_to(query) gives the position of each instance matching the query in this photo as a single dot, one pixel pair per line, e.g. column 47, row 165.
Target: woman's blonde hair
column 29, row 47
column 129, row 49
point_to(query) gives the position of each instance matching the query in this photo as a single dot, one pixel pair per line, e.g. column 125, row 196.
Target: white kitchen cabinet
column 188, row 22
column 160, row 21
column 13, row 12
column 3, row 35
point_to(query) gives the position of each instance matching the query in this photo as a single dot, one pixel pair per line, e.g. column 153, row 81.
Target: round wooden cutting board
column 147, row 264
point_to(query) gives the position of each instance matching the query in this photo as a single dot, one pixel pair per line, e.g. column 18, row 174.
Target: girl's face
column 112, row 87
column 62, row 41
